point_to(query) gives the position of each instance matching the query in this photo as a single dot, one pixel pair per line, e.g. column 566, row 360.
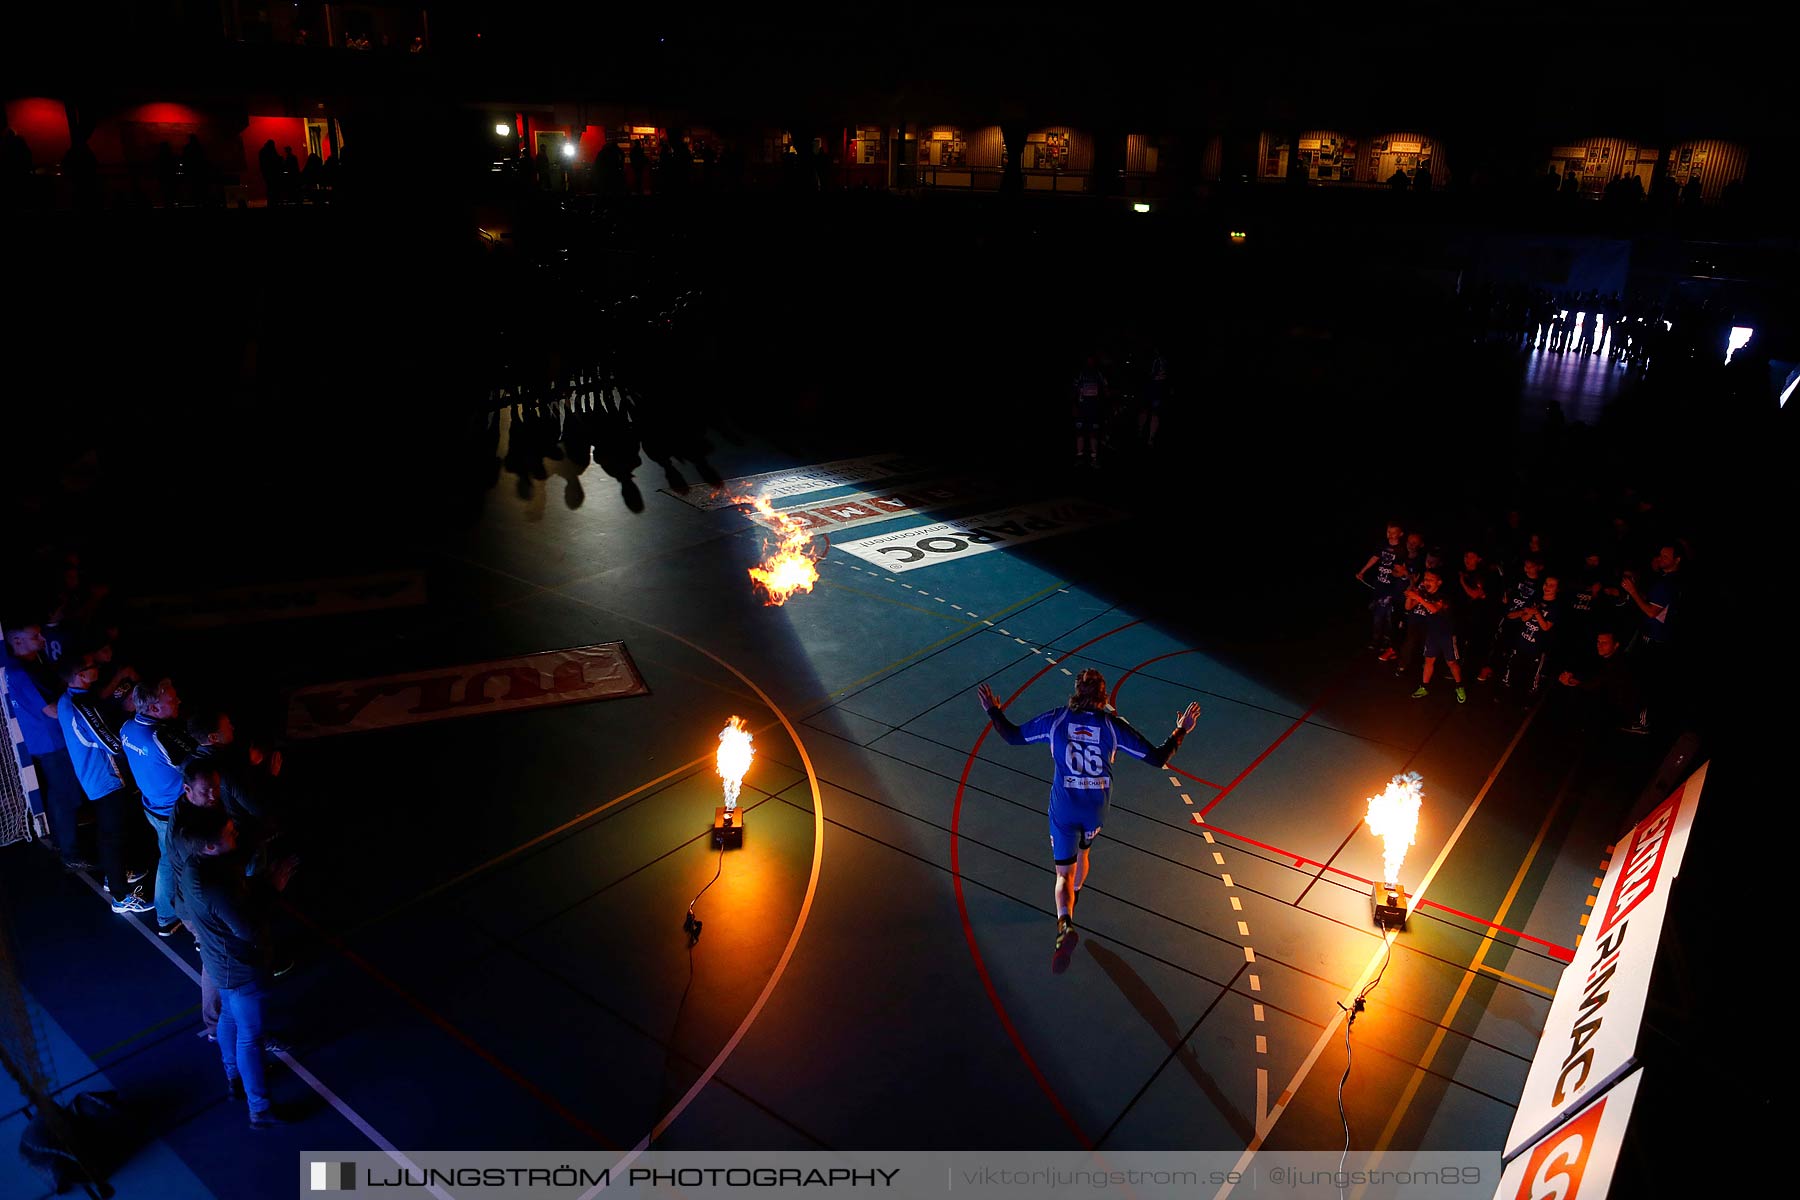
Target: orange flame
column 788, row 567
column 1394, row 818
column 735, row 753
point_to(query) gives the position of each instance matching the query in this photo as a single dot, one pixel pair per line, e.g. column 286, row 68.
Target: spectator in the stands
column 1607, row 686
column 231, row 929
column 90, row 724
column 35, row 688
column 155, row 745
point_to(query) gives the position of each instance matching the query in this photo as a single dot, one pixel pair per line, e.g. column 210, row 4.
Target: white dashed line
column 1227, row 880
column 984, row 620
column 1066, row 671
column 1243, row 929
column 1218, row 859
column 1256, row 1011
column 909, row 587
column 1237, row 905
column 1262, row 1044
column 1008, row 634
column 1019, row 640
column 957, row 607
column 1207, row 836
column 1174, row 781
column 1256, row 983
column 1249, row 954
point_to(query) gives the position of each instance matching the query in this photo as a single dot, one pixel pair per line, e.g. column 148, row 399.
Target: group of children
column 1525, row 624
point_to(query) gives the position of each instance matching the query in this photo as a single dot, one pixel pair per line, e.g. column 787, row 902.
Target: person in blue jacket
column 90, row 727
column 155, row 744
column 1084, row 736
column 32, row 685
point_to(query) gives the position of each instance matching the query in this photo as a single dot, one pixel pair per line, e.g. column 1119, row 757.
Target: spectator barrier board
column 1577, row 1159
column 1591, row 1035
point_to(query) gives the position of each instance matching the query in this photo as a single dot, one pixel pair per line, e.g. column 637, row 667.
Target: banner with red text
column 1591, row 1035
column 603, row 672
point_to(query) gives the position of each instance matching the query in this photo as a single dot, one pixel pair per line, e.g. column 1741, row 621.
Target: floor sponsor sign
column 285, row 601
column 1577, row 1159
column 1591, row 1035
column 602, row 672
column 867, row 508
column 947, row 541
column 798, row 481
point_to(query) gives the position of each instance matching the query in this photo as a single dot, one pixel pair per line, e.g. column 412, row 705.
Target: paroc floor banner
column 602, row 672
column 948, row 541
column 1591, row 1036
column 1577, row 1159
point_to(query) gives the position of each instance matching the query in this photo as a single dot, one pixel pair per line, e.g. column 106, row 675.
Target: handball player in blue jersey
column 1084, row 735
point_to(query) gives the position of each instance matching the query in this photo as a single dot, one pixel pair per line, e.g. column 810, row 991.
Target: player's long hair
column 1090, row 692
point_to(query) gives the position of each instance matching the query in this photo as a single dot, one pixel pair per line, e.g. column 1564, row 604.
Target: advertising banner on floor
column 868, row 508
column 776, row 486
column 1591, row 1035
column 602, row 672
column 1577, row 1159
column 947, row 541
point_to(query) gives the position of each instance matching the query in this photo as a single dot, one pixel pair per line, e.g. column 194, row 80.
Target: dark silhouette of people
column 312, row 178
column 1422, row 177
column 1571, row 184
column 640, row 167
column 82, row 171
column 540, row 168
column 268, row 163
column 196, row 170
column 1690, row 192
column 290, row 176
column 1398, row 181
column 609, row 166
column 168, row 174
column 16, row 166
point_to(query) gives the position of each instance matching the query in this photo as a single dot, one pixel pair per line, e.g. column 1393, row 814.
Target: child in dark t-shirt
column 1383, row 604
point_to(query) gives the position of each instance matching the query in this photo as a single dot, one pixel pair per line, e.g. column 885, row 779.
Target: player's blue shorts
column 1073, row 832
column 1441, row 644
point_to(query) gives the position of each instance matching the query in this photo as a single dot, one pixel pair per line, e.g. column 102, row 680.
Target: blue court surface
column 490, row 914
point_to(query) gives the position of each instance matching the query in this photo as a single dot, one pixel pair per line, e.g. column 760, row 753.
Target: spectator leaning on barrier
column 34, row 689
column 155, row 744
column 90, row 726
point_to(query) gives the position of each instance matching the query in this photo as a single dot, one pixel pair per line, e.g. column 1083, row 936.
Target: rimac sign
column 1591, row 1036
column 1577, row 1160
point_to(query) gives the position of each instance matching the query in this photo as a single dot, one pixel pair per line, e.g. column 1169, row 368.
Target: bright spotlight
column 502, row 129
column 1740, row 337
column 1140, row 207
column 568, row 149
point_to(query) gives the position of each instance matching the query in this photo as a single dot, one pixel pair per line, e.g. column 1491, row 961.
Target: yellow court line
column 1329, row 1034
column 1462, row 991
column 1539, row 988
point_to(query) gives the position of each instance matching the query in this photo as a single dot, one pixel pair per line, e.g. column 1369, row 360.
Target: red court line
column 962, row 907
column 1276, row 744
column 1119, row 686
column 1562, row 953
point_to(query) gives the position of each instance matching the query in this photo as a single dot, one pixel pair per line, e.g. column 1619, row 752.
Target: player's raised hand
column 1190, row 717
column 984, row 695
